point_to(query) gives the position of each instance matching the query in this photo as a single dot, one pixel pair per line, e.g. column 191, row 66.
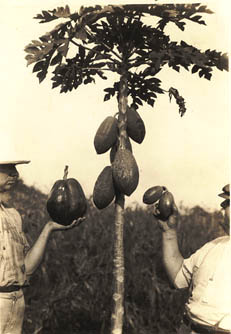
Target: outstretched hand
column 58, row 227
column 170, row 223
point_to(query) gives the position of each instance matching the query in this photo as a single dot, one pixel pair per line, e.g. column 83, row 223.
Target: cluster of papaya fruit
column 122, row 174
column 162, row 198
column 66, row 200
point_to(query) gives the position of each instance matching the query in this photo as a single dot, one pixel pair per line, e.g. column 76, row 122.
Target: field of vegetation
column 71, row 292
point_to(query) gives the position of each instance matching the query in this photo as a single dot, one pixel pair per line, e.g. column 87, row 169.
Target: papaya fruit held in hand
column 153, row 194
column 135, row 126
column 165, row 205
column 106, row 135
column 104, row 191
column 66, row 201
column 125, row 171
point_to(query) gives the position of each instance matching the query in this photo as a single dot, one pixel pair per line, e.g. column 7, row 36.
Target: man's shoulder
column 13, row 212
column 213, row 243
column 218, row 240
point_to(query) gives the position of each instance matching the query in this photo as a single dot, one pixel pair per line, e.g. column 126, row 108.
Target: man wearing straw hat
column 17, row 260
column 207, row 273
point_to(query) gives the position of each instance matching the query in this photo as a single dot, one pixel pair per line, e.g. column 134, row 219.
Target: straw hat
column 8, row 154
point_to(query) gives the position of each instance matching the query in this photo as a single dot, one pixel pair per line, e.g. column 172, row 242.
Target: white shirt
column 210, row 271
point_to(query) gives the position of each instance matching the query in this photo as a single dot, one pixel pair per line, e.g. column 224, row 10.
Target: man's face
column 8, row 177
column 226, row 211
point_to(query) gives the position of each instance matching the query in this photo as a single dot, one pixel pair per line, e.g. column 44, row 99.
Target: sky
column 189, row 155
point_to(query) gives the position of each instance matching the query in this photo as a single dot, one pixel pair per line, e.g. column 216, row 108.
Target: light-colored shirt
column 209, row 271
column 13, row 248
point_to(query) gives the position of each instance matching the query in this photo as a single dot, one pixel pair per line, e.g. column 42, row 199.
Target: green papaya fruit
column 165, row 205
column 153, row 194
column 135, row 126
column 66, row 200
column 127, row 145
column 125, row 171
column 106, row 135
column 104, row 191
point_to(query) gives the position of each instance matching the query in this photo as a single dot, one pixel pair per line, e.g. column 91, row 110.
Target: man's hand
column 58, row 227
column 171, row 222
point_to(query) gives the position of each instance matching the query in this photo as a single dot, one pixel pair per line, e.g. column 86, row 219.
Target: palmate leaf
column 179, row 100
column 51, row 15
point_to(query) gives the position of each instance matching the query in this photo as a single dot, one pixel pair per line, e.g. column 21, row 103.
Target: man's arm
column 35, row 255
column 172, row 257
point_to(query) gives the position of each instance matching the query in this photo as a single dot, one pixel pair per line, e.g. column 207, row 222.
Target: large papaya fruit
column 153, row 194
column 165, row 205
column 66, row 200
column 127, row 145
column 104, row 191
column 106, row 135
column 135, row 126
column 125, row 171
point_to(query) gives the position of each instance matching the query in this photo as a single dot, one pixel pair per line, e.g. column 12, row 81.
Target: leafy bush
column 71, row 292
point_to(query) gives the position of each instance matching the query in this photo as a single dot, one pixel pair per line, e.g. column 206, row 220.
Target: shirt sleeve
column 190, row 265
column 184, row 275
column 25, row 243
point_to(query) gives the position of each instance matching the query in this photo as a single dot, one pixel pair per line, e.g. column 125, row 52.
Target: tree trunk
column 118, row 271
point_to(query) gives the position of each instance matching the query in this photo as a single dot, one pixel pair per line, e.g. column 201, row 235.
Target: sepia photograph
column 115, row 167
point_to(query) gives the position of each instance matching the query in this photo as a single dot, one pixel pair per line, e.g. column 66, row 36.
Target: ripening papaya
column 106, row 135
column 66, row 200
column 135, row 126
column 153, row 194
column 126, row 144
column 165, row 205
column 104, row 191
column 125, row 171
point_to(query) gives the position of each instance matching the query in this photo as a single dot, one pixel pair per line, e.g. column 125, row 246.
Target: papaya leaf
column 81, row 34
column 204, row 9
column 30, row 59
column 62, row 12
column 39, row 66
column 36, row 43
column 151, row 101
column 57, row 59
column 63, row 49
column 101, row 75
column 117, row 32
column 81, row 52
column 56, row 84
column 41, row 75
column 110, row 91
column 179, row 100
column 196, row 18
column 45, row 38
column 45, row 17
column 47, row 49
column 107, row 97
column 139, row 101
column 208, row 76
column 31, row 49
column 195, row 69
column 180, row 25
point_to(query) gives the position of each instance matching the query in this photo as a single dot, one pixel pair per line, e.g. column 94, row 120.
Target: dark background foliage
column 71, row 292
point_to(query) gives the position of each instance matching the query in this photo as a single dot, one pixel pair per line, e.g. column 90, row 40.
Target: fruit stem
column 65, row 172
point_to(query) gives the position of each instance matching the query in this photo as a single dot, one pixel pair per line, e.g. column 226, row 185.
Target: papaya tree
column 96, row 40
